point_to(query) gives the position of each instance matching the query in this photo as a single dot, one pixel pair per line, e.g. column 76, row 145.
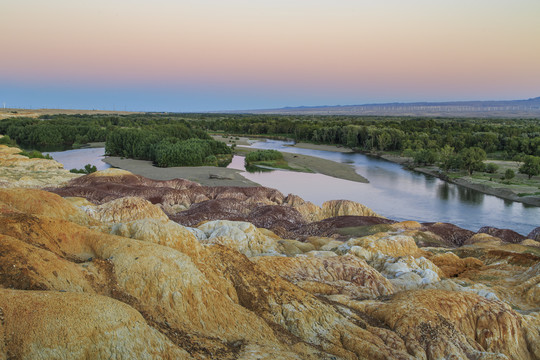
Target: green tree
column 383, row 140
column 425, row 157
column 88, row 169
column 509, row 174
column 491, row 168
column 531, row 166
column 472, row 159
column 446, row 156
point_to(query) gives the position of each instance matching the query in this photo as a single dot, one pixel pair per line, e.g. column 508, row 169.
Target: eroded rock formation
column 125, row 267
column 20, row 171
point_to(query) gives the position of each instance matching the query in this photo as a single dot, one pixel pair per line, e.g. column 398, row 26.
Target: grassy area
column 520, row 184
column 34, row 154
column 269, row 159
column 520, row 180
column 495, row 182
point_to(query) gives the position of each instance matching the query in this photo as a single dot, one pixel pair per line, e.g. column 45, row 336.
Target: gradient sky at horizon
column 207, row 55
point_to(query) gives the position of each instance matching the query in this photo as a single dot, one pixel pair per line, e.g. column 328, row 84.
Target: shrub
column 34, row 154
column 211, row 160
column 509, row 174
column 491, row 168
column 263, row 155
column 88, row 169
column 6, row 140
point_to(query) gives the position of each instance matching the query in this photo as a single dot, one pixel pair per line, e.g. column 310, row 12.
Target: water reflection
column 76, row 159
column 392, row 192
column 470, row 196
column 400, row 194
column 253, row 169
column 508, row 203
column 444, row 191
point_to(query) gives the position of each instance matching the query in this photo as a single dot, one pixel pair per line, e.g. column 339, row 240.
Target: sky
column 211, row 55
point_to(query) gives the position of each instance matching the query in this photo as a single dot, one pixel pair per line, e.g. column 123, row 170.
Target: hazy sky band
column 342, row 51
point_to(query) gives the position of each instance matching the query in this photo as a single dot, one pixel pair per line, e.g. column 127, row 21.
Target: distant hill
column 529, row 108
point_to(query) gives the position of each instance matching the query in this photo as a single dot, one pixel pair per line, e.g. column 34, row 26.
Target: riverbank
column 512, row 192
column 219, row 176
column 204, row 175
column 315, row 164
column 503, row 191
column 323, row 147
column 300, row 162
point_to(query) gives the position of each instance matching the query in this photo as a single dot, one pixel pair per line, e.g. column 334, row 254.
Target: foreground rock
column 19, row 171
column 115, row 331
column 189, row 203
column 107, row 273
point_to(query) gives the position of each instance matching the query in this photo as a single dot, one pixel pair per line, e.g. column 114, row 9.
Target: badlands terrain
column 116, row 265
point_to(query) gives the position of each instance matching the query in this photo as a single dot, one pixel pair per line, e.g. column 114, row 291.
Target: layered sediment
column 114, row 265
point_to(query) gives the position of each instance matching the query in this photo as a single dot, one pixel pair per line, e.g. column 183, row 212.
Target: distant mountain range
column 529, row 108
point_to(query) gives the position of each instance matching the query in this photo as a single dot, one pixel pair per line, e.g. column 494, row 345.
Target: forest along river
column 392, row 191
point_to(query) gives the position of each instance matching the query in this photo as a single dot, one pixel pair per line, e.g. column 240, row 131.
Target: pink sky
column 289, row 52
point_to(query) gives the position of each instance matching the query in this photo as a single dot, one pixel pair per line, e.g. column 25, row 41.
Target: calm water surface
column 76, row 159
column 393, row 192
column 397, row 193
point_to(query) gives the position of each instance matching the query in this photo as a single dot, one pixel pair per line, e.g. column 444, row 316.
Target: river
column 77, row 158
column 398, row 193
column 392, row 191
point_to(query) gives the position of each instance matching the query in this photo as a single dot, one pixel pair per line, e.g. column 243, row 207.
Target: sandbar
column 218, row 176
column 204, row 175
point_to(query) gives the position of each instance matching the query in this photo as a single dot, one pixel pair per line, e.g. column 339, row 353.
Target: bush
column 211, row 161
column 263, row 155
column 509, row 174
column 88, row 169
column 6, row 140
column 491, row 168
column 408, row 153
column 34, row 154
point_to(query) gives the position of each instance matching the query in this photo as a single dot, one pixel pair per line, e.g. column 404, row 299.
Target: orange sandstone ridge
column 126, row 267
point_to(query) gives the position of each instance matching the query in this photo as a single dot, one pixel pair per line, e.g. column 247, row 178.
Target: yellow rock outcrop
column 311, row 212
column 20, row 171
column 345, row 207
column 329, row 275
column 121, row 280
column 53, row 325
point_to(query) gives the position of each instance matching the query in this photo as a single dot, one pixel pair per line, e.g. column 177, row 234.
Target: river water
column 397, row 193
column 393, row 192
column 77, row 158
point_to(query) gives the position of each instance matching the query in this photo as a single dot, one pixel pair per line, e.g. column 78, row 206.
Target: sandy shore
column 317, row 165
column 303, row 162
column 204, row 175
column 218, row 176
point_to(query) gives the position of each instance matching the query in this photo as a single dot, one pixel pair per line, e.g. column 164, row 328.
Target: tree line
column 173, row 139
column 508, row 136
column 165, row 140
column 174, row 145
column 450, row 143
